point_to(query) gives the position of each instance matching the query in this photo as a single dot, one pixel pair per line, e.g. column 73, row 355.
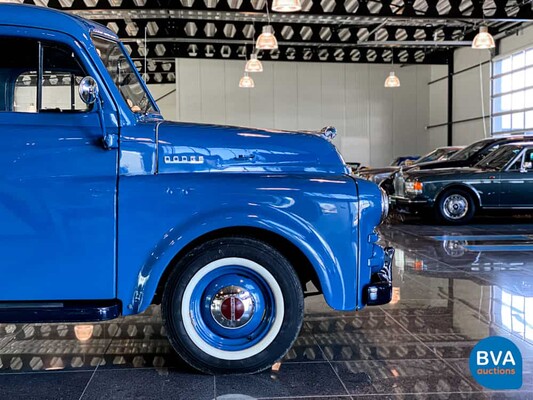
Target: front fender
column 316, row 216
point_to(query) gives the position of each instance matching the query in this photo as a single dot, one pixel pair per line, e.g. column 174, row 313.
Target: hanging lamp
column 483, row 39
column 253, row 64
column 286, row 5
column 392, row 80
column 267, row 40
column 246, row 81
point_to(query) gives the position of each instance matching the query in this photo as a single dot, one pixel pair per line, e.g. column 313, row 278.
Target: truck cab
column 106, row 208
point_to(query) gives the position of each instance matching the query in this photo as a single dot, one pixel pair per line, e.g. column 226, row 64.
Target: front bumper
column 379, row 290
column 409, row 205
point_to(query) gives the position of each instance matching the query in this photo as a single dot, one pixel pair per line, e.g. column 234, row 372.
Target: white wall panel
column 212, row 91
column 262, row 100
column 309, row 96
column 356, row 141
column 285, row 93
column 237, row 100
column 374, row 123
column 166, row 99
column 190, row 93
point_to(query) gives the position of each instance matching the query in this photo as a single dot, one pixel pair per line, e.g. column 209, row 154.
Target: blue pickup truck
column 106, row 208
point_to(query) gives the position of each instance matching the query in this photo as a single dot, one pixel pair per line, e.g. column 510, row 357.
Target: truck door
column 57, row 182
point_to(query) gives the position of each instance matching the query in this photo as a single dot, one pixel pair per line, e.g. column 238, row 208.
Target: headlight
column 414, row 187
column 378, row 178
column 384, row 205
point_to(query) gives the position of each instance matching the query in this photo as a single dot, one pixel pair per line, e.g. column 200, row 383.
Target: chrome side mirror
column 88, row 90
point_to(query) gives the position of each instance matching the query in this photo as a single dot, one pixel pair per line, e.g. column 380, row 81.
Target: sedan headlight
column 384, row 205
column 378, row 178
column 414, row 187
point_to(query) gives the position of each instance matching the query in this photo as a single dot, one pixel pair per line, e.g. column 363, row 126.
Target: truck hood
column 187, row 147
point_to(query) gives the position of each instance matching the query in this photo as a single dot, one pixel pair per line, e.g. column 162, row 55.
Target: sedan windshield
column 433, row 156
column 468, row 151
column 499, row 158
column 125, row 78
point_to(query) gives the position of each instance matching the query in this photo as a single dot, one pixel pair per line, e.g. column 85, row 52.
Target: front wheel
column 232, row 305
column 455, row 206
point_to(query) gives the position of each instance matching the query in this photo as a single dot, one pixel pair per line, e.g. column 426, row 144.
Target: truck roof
column 45, row 18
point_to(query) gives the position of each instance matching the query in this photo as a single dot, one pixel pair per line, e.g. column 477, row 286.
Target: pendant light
column 286, row 5
column 392, row 80
column 483, row 39
column 267, row 40
column 253, row 64
column 246, row 81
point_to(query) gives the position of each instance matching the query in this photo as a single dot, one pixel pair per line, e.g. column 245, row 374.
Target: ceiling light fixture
column 267, row 40
column 483, row 39
column 253, row 64
column 246, row 81
column 286, row 5
column 392, row 80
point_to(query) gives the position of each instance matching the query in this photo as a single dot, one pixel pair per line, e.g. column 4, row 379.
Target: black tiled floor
column 446, row 299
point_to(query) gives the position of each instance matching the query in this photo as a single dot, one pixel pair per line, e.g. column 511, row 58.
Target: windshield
column 433, row 156
column 468, row 151
column 499, row 158
column 127, row 81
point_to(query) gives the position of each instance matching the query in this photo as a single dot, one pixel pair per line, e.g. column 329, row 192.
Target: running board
column 59, row 311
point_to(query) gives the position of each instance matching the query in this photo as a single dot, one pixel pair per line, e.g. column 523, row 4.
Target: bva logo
column 496, row 363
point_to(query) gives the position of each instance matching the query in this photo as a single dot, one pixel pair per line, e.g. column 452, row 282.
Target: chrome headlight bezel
column 385, row 205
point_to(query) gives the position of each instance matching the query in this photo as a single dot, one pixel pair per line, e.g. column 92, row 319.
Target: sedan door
column 517, row 183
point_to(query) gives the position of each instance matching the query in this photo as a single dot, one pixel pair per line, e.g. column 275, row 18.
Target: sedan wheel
column 234, row 305
column 455, row 206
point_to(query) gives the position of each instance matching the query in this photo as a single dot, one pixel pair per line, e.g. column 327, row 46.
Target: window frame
column 494, row 97
column 41, row 72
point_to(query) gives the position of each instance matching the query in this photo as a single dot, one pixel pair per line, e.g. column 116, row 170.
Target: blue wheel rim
column 232, row 339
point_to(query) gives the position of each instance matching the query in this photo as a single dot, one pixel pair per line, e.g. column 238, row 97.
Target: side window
column 528, row 160
column 24, row 89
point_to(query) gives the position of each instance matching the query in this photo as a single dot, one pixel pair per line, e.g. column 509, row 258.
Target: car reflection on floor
column 453, row 287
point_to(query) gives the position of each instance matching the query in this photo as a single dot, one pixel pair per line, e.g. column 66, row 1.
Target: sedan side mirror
column 88, row 90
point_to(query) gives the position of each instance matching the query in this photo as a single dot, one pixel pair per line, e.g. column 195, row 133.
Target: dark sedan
column 377, row 175
column 502, row 180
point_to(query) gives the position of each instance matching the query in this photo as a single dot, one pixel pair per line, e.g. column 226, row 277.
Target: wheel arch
column 296, row 257
column 462, row 186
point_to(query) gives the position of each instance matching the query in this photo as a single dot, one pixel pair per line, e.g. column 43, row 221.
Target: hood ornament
column 329, row 132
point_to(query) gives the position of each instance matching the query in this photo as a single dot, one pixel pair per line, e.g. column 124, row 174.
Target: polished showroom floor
column 454, row 286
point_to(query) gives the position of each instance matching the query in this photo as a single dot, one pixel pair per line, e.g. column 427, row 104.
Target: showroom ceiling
column 410, row 31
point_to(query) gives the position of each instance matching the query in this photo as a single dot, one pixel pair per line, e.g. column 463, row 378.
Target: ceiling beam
column 475, row 10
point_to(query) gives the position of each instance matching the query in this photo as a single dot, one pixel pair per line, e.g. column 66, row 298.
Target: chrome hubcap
column 232, row 307
column 455, row 206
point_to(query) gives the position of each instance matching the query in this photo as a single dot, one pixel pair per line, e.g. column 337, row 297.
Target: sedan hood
column 441, row 174
column 439, row 164
column 187, row 147
column 376, row 171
